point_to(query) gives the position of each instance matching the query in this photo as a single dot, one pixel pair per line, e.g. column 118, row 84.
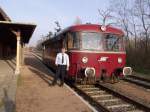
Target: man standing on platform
column 62, row 63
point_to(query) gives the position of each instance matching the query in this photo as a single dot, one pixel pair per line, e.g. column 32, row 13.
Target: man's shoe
column 53, row 84
column 61, row 85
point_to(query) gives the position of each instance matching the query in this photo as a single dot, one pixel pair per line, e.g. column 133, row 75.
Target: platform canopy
column 13, row 37
column 26, row 29
column 4, row 16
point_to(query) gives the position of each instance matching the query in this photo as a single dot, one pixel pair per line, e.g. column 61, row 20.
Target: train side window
column 73, row 40
column 70, row 41
column 76, row 40
column 64, row 40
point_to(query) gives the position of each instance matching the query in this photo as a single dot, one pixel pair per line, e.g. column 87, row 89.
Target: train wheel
column 103, row 78
column 84, row 81
column 91, row 80
column 114, row 78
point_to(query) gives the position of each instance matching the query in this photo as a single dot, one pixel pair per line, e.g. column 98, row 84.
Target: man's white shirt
column 58, row 60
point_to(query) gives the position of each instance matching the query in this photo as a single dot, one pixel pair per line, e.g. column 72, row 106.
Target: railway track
column 107, row 100
column 138, row 81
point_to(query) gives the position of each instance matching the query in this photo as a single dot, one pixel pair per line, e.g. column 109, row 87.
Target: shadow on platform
column 11, row 64
column 37, row 67
column 9, row 105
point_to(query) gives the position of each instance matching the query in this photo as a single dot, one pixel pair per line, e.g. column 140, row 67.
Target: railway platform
column 8, row 84
column 35, row 95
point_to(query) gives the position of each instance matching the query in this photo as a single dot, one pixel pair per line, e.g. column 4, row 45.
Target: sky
column 44, row 13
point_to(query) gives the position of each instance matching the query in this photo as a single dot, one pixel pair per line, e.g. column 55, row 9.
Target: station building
column 13, row 37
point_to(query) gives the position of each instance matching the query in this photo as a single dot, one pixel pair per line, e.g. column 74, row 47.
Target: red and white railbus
column 95, row 51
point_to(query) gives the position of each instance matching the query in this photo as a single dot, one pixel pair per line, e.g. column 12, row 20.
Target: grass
column 138, row 68
column 142, row 71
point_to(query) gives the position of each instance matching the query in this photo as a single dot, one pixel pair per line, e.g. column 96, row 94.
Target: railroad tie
column 95, row 92
column 109, row 102
column 102, row 97
column 123, row 107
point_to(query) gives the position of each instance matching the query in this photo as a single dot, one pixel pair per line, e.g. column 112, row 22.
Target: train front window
column 91, row 41
column 113, row 43
column 95, row 41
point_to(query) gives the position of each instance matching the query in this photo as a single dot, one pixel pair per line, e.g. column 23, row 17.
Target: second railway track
column 140, row 81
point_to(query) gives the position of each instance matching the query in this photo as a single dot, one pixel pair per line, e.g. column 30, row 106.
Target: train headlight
column 103, row 28
column 119, row 60
column 84, row 59
column 90, row 71
column 127, row 71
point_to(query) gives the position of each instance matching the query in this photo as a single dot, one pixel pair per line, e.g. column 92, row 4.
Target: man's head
column 63, row 50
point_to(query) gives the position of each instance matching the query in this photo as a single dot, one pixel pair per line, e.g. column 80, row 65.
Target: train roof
column 92, row 27
column 89, row 27
column 96, row 28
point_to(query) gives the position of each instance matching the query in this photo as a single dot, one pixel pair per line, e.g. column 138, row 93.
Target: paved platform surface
column 35, row 95
column 8, row 83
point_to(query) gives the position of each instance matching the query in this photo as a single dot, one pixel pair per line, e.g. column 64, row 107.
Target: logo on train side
column 103, row 59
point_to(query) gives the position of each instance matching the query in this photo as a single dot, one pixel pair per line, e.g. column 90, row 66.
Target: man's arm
column 56, row 60
column 67, row 62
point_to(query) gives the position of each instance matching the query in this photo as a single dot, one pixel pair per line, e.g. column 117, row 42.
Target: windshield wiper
column 114, row 43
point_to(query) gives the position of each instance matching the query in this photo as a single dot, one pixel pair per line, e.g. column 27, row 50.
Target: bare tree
column 132, row 21
column 58, row 26
column 134, row 18
column 141, row 9
column 105, row 16
column 121, row 12
column 50, row 34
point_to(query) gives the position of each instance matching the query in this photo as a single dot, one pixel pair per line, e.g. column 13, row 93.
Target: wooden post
column 18, row 34
column 22, row 54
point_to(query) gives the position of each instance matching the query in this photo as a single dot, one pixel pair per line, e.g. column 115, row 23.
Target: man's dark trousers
column 60, row 73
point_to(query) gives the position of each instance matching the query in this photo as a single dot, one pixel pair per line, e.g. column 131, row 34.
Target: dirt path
column 35, row 95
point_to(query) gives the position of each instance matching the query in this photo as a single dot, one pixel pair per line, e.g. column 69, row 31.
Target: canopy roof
column 7, row 26
column 26, row 29
column 3, row 15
